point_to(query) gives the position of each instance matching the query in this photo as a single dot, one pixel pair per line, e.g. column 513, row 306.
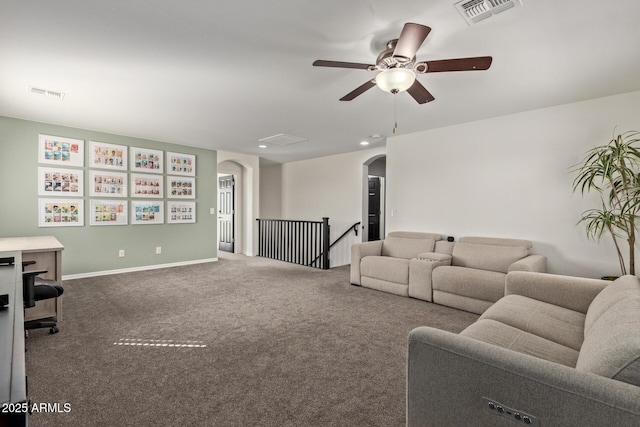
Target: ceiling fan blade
column 460, row 64
column 339, row 64
column 410, row 40
column 358, row 91
column 420, row 93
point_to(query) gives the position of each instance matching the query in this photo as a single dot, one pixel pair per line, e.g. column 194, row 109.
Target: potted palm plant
column 613, row 171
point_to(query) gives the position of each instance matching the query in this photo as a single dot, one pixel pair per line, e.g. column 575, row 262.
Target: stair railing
column 296, row 241
column 354, row 227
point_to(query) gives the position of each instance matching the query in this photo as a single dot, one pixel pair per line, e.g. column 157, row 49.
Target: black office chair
column 34, row 289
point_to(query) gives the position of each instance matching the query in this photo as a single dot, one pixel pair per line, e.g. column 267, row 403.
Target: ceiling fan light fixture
column 395, row 80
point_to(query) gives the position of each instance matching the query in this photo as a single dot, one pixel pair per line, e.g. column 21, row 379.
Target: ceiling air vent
column 282, row 139
column 48, row 93
column 474, row 11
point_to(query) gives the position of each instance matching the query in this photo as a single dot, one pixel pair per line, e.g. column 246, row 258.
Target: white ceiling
column 222, row 74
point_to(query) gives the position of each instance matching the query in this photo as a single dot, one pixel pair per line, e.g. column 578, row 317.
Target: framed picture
column 146, row 160
column 55, row 182
column 60, row 213
column 107, row 184
column 181, row 187
column 145, row 185
column 181, row 212
column 147, row 212
column 108, row 212
column 181, row 164
column 60, row 151
column 108, row 156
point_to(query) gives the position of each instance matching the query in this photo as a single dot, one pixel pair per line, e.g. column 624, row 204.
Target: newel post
column 326, row 242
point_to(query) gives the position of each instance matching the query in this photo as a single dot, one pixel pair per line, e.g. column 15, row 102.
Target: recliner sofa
column 468, row 274
column 475, row 277
column 559, row 350
column 385, row 264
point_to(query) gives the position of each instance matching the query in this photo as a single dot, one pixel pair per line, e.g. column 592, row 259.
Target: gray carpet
column 239, row 342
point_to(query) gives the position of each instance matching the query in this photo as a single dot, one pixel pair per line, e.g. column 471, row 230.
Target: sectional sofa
column 554, row 351
column 468, row 274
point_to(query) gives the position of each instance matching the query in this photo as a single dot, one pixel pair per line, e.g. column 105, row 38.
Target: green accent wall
column 95, row 248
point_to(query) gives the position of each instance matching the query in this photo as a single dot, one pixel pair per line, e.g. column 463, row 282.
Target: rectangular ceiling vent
column 48, row 93
column 474, row 11
column 282, row 139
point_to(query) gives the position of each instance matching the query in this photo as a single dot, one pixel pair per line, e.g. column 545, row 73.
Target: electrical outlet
column 158, row 250
column 121, row 253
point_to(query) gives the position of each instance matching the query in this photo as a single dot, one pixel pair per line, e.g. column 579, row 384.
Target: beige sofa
column 558, row 350
column 468, row 274
column 385, row 264
column 474, row 277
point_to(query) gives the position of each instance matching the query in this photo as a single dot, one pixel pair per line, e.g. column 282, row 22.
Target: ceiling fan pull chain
column 395, row 112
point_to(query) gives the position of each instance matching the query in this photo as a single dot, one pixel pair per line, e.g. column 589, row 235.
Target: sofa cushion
column 551, row 322
column 611, row 346
column 500, row 334
column 621, row 289
column 386, row 268
column 404, row 244
column 384, row 286
column 469, row 282
column 491, row 254
column 472, row 305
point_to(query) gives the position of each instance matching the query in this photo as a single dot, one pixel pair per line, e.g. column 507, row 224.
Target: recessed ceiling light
column 364, row 143
column 262, row 146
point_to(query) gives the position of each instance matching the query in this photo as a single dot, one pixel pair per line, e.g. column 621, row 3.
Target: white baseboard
column 133, row 269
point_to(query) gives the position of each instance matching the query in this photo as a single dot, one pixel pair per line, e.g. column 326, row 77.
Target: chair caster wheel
column 54, row 330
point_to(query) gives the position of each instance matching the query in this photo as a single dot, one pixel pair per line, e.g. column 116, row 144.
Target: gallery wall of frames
column 124, row 184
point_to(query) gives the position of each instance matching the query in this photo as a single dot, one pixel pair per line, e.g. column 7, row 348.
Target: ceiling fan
column 398, row 67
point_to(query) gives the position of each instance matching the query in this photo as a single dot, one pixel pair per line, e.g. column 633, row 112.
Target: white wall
column 250, row 196
column 271, row 191
column 509, row 177
column 327, row 187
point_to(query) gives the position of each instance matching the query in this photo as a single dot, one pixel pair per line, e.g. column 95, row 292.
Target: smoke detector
column 474, row 11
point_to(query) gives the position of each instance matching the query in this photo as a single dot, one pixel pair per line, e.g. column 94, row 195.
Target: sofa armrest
column 530, row 263
column 574, row 293
column 359, row 251
column 434, row 257
column 420, row 269
column 448, row 375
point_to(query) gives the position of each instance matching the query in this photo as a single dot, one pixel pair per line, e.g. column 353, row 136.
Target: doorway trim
column 365, row 198
column 226, row 212
column 230, row 167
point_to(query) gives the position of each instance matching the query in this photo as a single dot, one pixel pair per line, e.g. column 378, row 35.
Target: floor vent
column 282, row 139
column 474, row 11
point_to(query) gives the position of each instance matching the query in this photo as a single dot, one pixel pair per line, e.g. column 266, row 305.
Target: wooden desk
column 13, row 383
column 46, row 251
